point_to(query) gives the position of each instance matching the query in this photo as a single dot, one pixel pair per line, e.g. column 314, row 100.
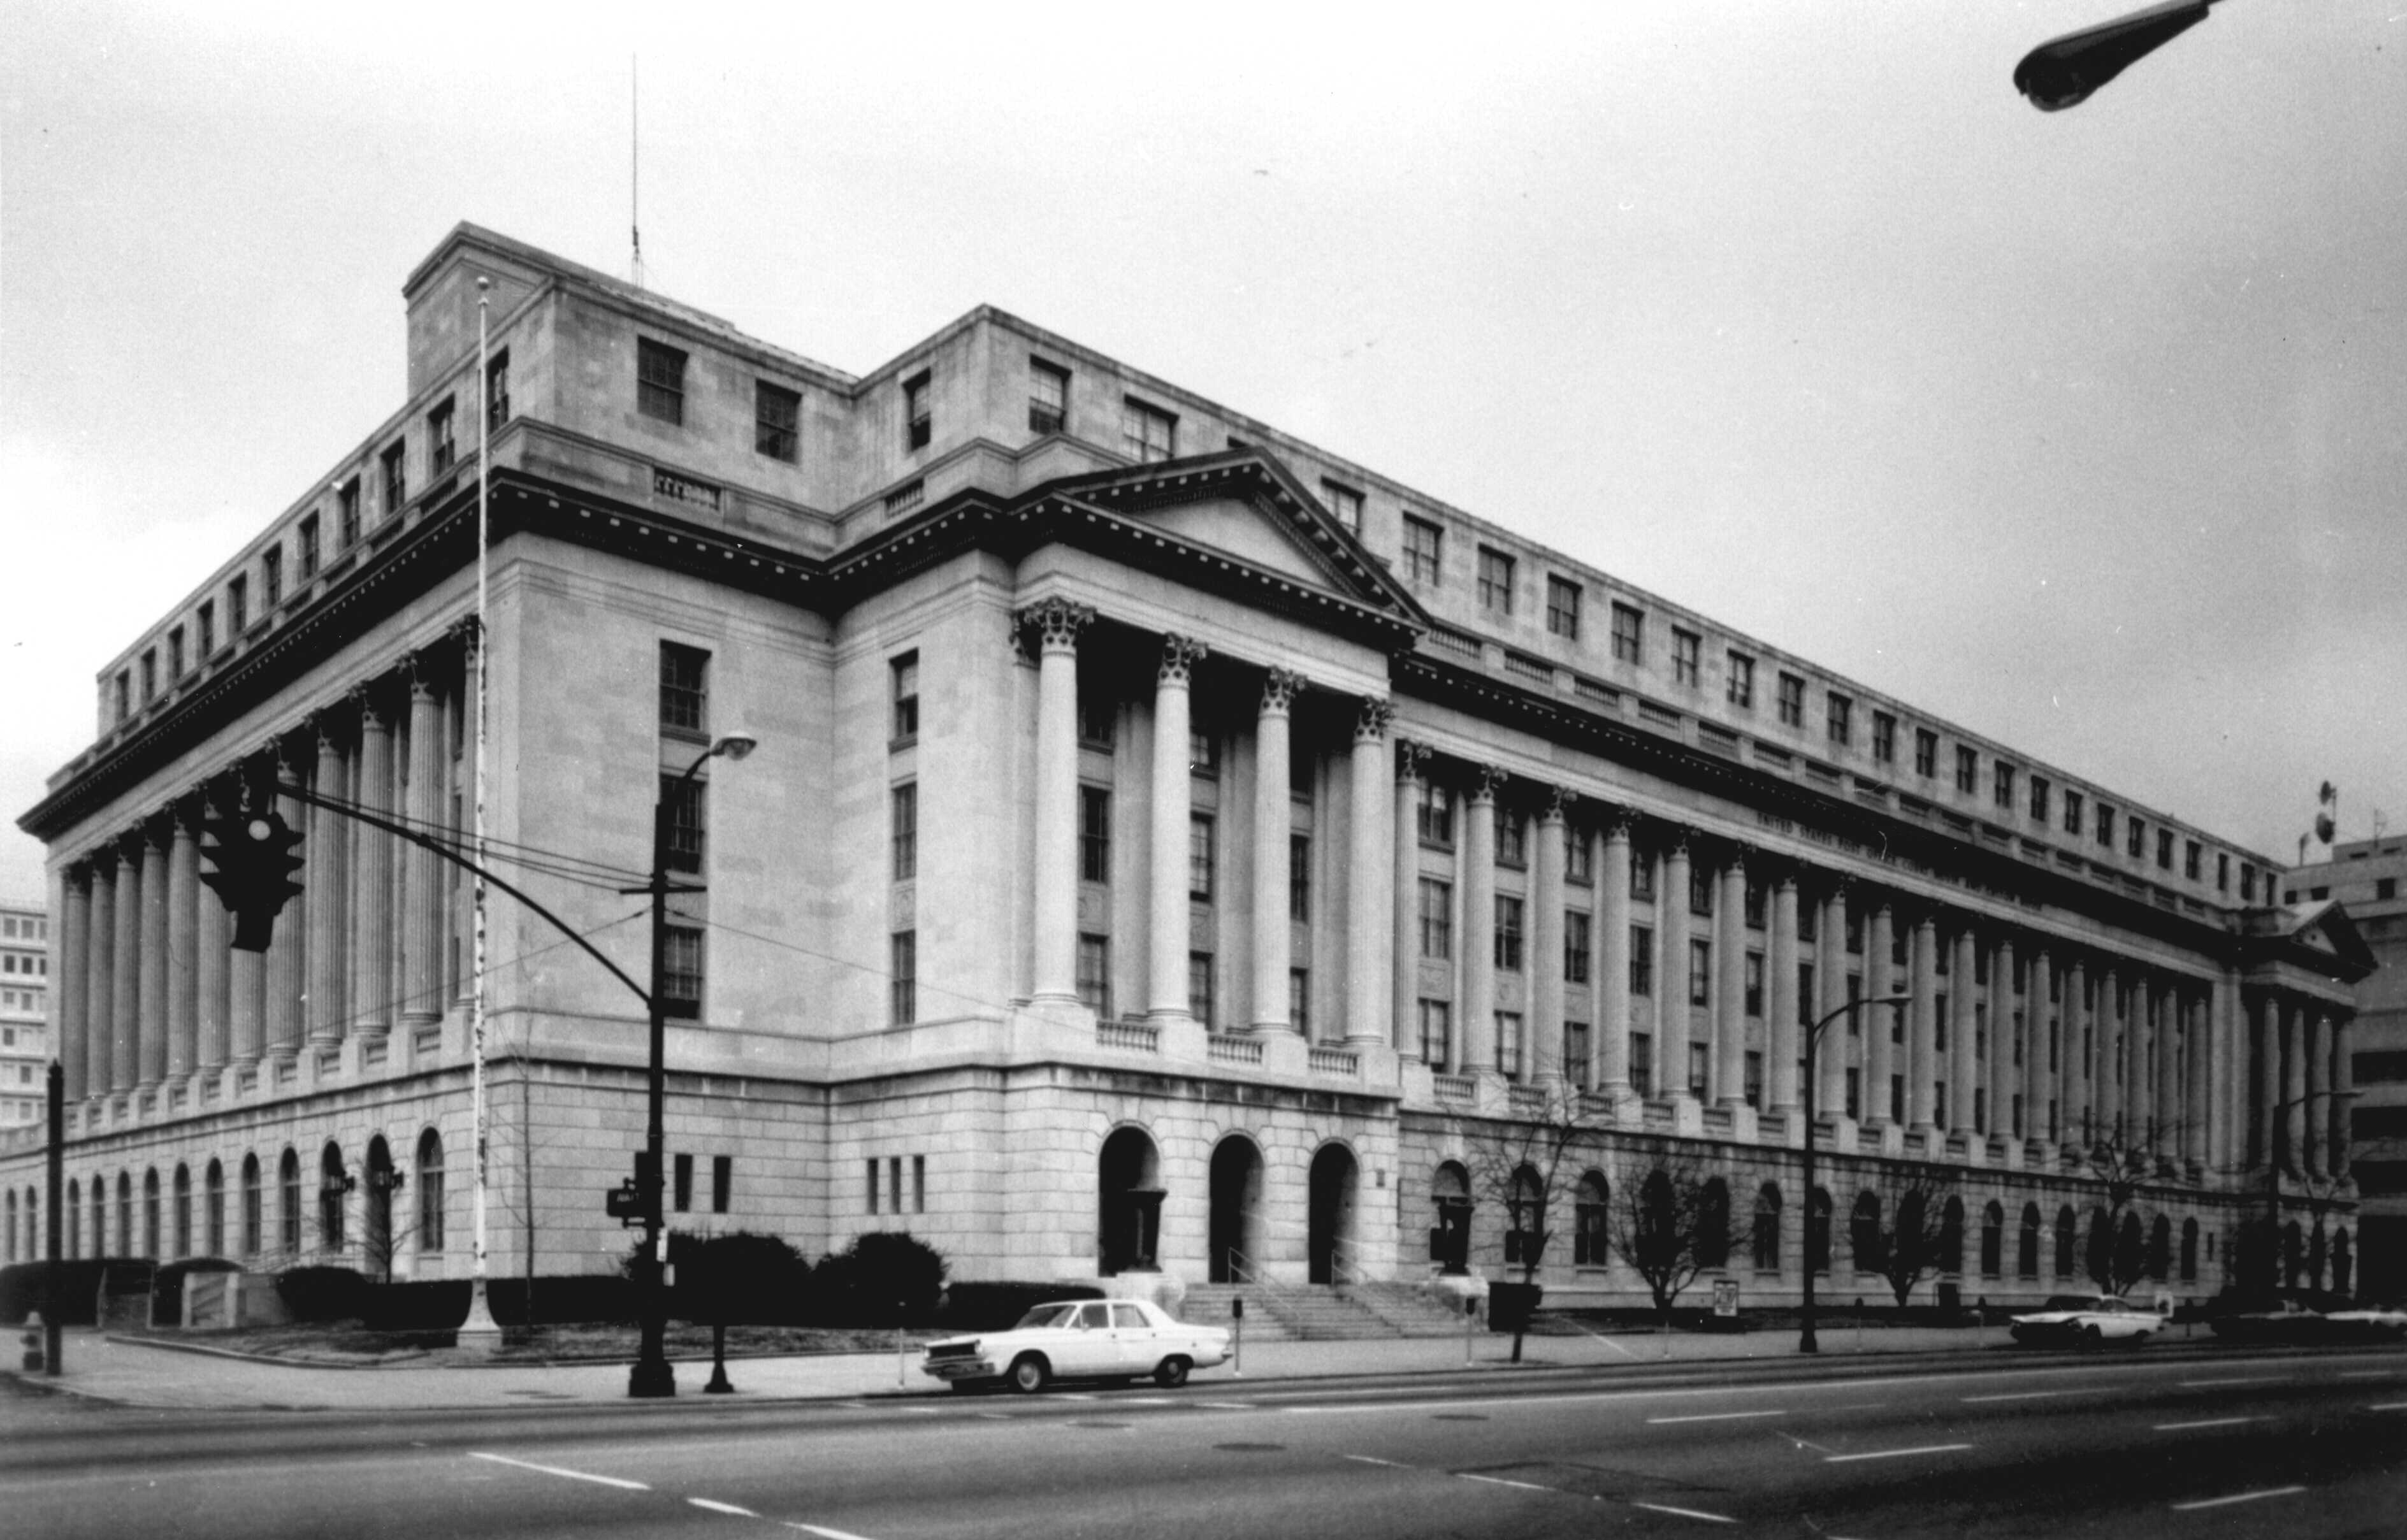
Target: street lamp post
column 652, row 1375
column 1807, row 1342
column 2063, row 71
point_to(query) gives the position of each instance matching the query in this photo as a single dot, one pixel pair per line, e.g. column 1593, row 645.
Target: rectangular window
column 1512, row 839
column 904, row 673
column 1563, row 608
column 685, row 702
column 1575, row 1058
column 1698, row 1059
column 681, row 1188
column 309, row 547
column 175, row 652
column 1792, row 701
column 1508, row 934
column 919, row 1184
column 659, row 380
column 905, row 821
column 497, row 391
column 1199, row 986
column 1628, row 636
column 1095, row 975
column 1299, row 1002
column 1049, row 397
column 1804, row 994
column 1424, row 548
column 2135, row 837
column 871, row 1191
column 150, row 677
column 1579, row 856
column 2071, row 811
column 442, row 446
column 1755, row 983
column 1495, row 581
column 2222, row 867
column 238, row 605
column 2105, row 824
column 1200, row 839
column 1344, row 503
column 1094, row 834
column 2247, row 882
column 681, row 972
column 1841, row 713
column 1855, row 1094
column 1098, row 716
column 1148, row 434
column 1298, row 878
column 271, row 576
column 1575, row 947
column 1434, row 815
column 1755, row 1082
column 346, row 513
column 1883, row 738
column 723, row 1182
column 2165, row 850
column 1203, row 753
column 681, row 796
column 1642, row 1063
column 1700, row 889
column 1701, row 973
column 776, row 421
column 205, row 621
column 1437, row 1032
column 1508, row 1045
column 1925, row 752
column 396, row 480
column 1642, row 875
column 918, row 421
column 2002, row 789
column 2039, row 798
column 1437, row 920
column 1741, row 681
column 1642, row 960
column 1688, row 657
column 1968, row 768
column 903, row 977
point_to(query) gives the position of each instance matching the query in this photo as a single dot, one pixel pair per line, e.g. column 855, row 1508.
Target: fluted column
column 325, row 1009
column 2039, row 1031
column 74, row 989
column 1613, row 959
column 2077, row 1029
column 125, row 991
column 2317, row 1037
column 2294, row 1086
column 1729, row 986
column 1831, row 993
column 183, row 936
column 1055, row 923
column 1478, row 1027
column 2139, row 1086
column 2171, row 1049
column 1369, row 914
column 286, row 952
column 1171, row 838
column 150, row 1017
column 461, row 894
column 1544, row 1040
column 1922, row 1027
column 1963, row 1033
column 210, row 963
column 2201, row 1054
column 2007, row 1032
column 423, row 876
column 371, row 905
column 1671, row 1019
column 2110, row 1080
column 1405, row 885
column 1273, row 824
column 2343, row 1084
column 1780, row 1035
column 1881, row 1021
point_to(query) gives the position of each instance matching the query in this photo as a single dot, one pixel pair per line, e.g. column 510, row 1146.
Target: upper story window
column 904, row 819
column 2222, row 872
column 1433, row 814
column 175, row 652
column 776, row 421
column 2164, row 850
column 1628, row 636
column 1883, row 738
column 2189, row 861
column 1563, row 608
column 685, row 700
column 682, row 798
column 150, row 676
column 271, row 575
column 1578, row 861
column 396, row 479
column 238, row 605
column 2071, row 811
column 2135, row 837
column 1049, row 397
column 1792, row 701
column 1741, row 681
column 346, row 513
column 2105, row 825
column 1424, row 546
column 441, row 449
column 2247, row 882
column 1511, row 838
column 205, row 620
column 497, row 391
column 659, row 380
column 1843, row 713
column 1148, row 434
column 309, row 547
column 2039, row 798
column 124, row 696
column 2001, row 776
column 1200, row 832
column 1495, row 580
column 919, row 412
column 1203, row 753
column 1968, row 768
column 1688, row 657
column 905, row 673
column 1094, row 834
column 1344, row 501
column 1926, row 751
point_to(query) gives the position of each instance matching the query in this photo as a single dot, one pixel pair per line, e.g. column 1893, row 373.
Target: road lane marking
column 618, row 1481
column 2210, row 1422
column 1228, row 1405
column 2265, row 1379
column 1146, row 1400
column 1709, row 1417
column 1686, row 1513
column 2237, row 1497
column 824, row 1532
column 2029, row 1395
column 2368, row 1374
column 2388, row 1406
column 722, row 1508
column 1894, row 1454
column 1500, row 1481
column 1375, row 1459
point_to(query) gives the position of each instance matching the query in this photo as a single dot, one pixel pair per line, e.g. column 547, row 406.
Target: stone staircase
column 1321, row 1313
column 1207, row 1305
column 1408, row 1311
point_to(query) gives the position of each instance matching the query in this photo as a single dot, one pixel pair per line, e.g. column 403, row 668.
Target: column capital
column 1486, row 779
column 1741, row 853
column 464, row 634
column 1373, row 718
column 1786, row 880
column 1411, row 754
column 1180, row 656
column 158, row 831
column 1280, row 687
column 1677, row 837
column 1619, row 822
column 366, row 699
column 1057, row 623
column 424, row 674
column 1558, row 804
column 128, row 846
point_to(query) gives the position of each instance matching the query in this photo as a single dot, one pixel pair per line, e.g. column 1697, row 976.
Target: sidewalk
column 139, row 1373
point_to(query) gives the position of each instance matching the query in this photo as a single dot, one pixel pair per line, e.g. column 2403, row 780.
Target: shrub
column 888, row 1277
column 740, row 1279
column 322, row 1293
column 996, row 1306
column 25, row 1288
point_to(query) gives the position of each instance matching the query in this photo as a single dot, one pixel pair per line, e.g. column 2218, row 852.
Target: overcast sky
column 2085, row 430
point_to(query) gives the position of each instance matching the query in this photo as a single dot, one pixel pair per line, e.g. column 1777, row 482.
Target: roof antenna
column 635, row 167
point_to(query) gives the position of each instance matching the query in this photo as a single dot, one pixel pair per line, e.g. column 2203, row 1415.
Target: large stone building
column 1169, row 845
column 24, row 1009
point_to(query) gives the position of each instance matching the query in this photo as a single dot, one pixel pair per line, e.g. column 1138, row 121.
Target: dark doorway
column 1236, row 1199
column 1330, row 1225
column 1450, row 1236
column 1128, row 1189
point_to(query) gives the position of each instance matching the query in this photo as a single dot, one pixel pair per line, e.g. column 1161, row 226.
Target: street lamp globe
column 735, row 745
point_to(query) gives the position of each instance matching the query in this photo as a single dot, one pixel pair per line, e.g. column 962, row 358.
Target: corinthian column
column 184, row 927
column 1921, row 1077
column 2008, row 1031
column 1171, row 836
column 125, row 994
column 371, row 906
column 421, row 876
column 74, row 989
column 1404, row 951
column 2318, row 1039
column 2344, row 1085
column 2198, row 1054
column 2039, row 1033
column 326, row 1008
column 1671, row 1008
column 1880, row 1021
column 1544, row 1038
column 1831, row 993
column 1055, row 923
column 1478, row 1033
column 1369, row 911
column 210, row 963
column 1780, row 1038
column 1274, row 825
column 1729, row 990
column 1613, row 960
column 287, row 949
column 1963, row 1003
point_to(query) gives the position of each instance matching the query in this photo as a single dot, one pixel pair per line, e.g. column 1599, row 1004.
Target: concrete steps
column 1207, row 1305
column 1406, row 1311
column 1321, row 1313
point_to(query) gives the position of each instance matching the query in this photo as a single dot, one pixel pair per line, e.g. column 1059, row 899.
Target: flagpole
column 480, row 1323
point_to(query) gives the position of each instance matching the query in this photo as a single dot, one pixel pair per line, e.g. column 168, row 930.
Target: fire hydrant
column 34, row 1334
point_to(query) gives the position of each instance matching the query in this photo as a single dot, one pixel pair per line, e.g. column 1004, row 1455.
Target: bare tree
column 1923, row 1238
column 2123, row 1164
column 1525, row 1164
column 1662, row 1218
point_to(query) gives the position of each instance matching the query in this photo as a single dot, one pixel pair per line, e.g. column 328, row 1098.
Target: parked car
column 2085, row 1320
column 2367, row 1323
column 1080, row 1339
column 2289, row 1320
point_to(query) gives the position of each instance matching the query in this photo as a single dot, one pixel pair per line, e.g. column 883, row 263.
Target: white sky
column 2086, row 429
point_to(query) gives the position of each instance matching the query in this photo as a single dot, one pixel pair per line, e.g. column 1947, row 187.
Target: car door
column 1135, row 1338
column 1090, row 1346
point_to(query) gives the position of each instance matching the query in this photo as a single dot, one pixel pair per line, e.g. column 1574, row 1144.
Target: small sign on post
column 1237, row 1336
column 1726, row 1298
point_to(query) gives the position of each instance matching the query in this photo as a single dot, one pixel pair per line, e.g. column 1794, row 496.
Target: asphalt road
column 2122, row 1444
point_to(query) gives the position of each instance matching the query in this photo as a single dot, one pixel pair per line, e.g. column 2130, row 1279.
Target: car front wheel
column 1172, row 1372
column 1029, row 1374
column 2092, row 1338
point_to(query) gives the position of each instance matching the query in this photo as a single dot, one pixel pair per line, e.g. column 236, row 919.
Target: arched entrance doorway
column 1127, row 1188
column 379, row 1208
column 1236, row 1200
column 1330, row 1225
column 1450, row 1236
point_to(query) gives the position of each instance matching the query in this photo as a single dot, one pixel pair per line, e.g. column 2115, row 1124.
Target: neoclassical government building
column 1168, row 847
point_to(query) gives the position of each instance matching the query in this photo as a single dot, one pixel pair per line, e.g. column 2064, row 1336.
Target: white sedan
column 2087, row 1320
column 1080, row 1339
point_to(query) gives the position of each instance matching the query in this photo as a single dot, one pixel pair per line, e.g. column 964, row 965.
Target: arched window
column 332, row 1184
column 213, row 1207
column 1817, row 1232
column 2067, row 1240
column 1993, row 1240
column 12, row 1224
column 2027, row 1244
column 2130, row 1253
column 430, row 1191
column 253, row 1218
column 1766, row 1228
column 125, row 1213
column 288, row 1192
column 2294, row 1252
column 99, row 1218
column 2160, row 1248
column 1951, row 1237
column 183, row 1209
column 150, row 1213
column 2098, row 1254
column 36, row 1241
column 1713, row 1225
column 1525, row 1219
column 1591, row 1208
column 75, row 1220
column 2190, row 1251
column 1864, row 1233
column 2343, row 1263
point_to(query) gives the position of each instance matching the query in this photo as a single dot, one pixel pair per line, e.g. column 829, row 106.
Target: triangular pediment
column 2320, row 936
column 1237, row 526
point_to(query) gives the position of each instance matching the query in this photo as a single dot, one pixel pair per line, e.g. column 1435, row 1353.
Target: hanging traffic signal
column 251, row 861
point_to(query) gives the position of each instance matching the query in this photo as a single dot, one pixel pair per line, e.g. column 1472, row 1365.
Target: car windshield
column 1046, row 1315
column 2076, row 1302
